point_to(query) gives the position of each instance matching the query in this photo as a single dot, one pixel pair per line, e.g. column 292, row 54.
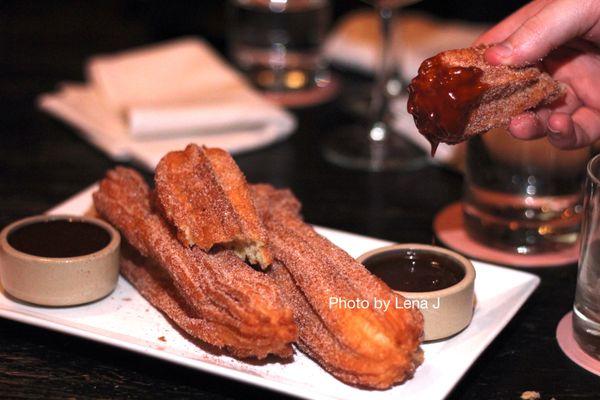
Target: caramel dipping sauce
column 441, row 97
column 409, row 270
column 59, row 238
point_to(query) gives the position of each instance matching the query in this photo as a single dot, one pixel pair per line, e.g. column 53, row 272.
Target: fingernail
column 503, row 50
column 554, row 134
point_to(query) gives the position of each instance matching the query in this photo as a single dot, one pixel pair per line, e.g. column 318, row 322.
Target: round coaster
column 449, row 229
column 567, row 343
column 304, row 98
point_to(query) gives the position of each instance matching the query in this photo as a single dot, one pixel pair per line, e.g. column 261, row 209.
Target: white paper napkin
column 144, row 102
column 355, row 43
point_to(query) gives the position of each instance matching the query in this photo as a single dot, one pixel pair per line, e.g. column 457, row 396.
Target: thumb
column 554, row 25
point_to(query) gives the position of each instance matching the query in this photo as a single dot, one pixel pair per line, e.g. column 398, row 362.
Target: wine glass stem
column 380, row 97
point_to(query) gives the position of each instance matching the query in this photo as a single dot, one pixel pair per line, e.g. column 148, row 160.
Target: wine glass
column 372, row 144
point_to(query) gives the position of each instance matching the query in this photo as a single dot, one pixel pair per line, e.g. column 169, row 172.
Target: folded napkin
column 141, row 103
column 355, row 43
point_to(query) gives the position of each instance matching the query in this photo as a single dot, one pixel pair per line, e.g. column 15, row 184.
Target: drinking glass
column 586, row 310
column 521, row 196
column 277, row 43
column 372, row 144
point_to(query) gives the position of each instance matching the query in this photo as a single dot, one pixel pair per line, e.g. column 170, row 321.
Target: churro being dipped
column 457, row 94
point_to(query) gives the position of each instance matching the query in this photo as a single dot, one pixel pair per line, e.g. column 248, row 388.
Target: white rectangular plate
column 126, row 320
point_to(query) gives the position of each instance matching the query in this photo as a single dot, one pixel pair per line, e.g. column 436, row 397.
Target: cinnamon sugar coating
column 364, row 347
column 216, row 298
column 508, row 91
column 205, row 195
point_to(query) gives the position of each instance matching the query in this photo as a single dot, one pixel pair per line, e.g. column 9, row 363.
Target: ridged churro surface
column 220, row 299
column 365, row 347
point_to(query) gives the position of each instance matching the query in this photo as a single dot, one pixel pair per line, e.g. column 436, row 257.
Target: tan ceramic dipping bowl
column 447, row 311
column 59, row 281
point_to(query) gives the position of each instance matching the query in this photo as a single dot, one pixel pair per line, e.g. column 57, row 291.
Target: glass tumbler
column 586, row 310
column 523, row 197
column 277, row 43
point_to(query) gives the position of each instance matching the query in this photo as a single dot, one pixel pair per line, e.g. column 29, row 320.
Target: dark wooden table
column 43, row 162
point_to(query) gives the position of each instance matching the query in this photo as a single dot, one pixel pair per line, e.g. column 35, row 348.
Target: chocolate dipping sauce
column 59, row 238
column 415, row 271
column 441, row 97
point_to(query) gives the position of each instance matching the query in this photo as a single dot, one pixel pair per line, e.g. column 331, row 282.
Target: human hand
column 565, row 34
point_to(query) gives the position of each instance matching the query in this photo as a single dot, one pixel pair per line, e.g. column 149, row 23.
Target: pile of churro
column 235, row 266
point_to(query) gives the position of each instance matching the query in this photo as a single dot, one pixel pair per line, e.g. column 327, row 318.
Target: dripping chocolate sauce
column 441, row 98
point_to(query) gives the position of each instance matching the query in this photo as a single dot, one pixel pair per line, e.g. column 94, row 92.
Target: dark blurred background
column 45, row 42
column 208, row 17
column 165, row 19
column 25, row 29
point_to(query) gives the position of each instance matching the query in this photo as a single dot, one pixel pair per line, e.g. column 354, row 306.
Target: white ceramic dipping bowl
column 445, row 311
column 59, row 281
